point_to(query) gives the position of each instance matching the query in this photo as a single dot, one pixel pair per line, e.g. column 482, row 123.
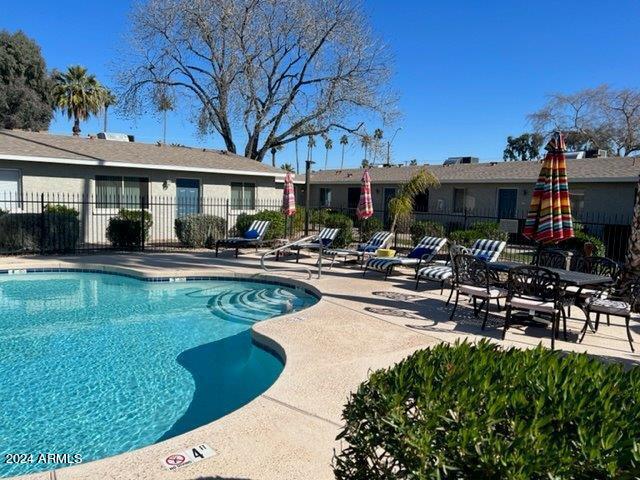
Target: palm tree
column 344, row 141
column 365, row 141
column 287, row 167
column 377, row 136
column 632, row 260
column 164, row 101
column 328, row 145
column 297, row 158
column 78, row 94
column 364, row 163
column 108, row 99
column 310, row 144
column 413, row 162
column 401, row 206
column 275, row 150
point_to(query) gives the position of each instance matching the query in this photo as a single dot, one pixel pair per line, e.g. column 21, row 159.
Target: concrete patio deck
column 359, row 325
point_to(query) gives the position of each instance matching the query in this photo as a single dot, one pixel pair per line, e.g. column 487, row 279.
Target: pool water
column 96, row 364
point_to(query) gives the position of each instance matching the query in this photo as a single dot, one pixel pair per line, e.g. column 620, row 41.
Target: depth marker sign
column 187, row 457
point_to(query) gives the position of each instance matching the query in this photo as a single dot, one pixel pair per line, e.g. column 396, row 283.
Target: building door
column 507, row 202
column 389, row 193
column 187, row 196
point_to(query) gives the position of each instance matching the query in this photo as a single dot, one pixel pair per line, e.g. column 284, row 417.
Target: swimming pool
column 93, row 364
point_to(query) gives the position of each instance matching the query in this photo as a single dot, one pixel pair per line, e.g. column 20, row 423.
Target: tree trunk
column 164, row 127
column 106, row 109
column 273, row 159
column 297, row 160
column 326, row 158
column 76, row 127
column 342, row 160
column 632, row 261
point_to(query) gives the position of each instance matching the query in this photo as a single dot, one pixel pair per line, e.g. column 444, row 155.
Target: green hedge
column 345, row 226
column 276, row 227
column 480, row 412
column 489, row 230
column 123, row 230
column 419, row 230
column 57, row 230
column 199, row 229
column 581, row 238
column 370, row 226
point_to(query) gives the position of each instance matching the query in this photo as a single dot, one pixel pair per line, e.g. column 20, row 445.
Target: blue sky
column 468, row 72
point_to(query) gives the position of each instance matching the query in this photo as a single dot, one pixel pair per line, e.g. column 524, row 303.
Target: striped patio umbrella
column 549, row 219
column 365, row 205
column 288, row 196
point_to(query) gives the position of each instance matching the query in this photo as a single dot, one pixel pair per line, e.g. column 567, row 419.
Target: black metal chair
column 551, row 258
column 603, row 266
column 536, row 289
column 620, row 300
column 473, row 278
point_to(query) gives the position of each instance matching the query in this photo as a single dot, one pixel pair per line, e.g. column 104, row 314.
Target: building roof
column 44, row 147
column 590, row 170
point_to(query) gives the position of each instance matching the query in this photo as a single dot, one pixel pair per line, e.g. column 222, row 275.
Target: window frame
column 242, row 206
column 323, row 201
column 109, row 207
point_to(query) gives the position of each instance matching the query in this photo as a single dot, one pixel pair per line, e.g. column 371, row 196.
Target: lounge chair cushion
column 382, row 264
column 493, row 292
column 613, row 307
column 534, row 304
column 251, row 234
column 367, row 248
column 587, row 292
column 436, row 273
column 419, row 252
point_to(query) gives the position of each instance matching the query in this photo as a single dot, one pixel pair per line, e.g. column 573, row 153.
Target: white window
column 121, row 192
column 325, row 197
column 10, row 189
column 243, row 196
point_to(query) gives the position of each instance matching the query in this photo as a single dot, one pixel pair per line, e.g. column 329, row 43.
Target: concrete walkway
column 359, row 325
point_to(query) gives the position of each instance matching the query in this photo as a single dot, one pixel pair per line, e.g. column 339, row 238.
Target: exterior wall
column 602, row 201
column 73, row 183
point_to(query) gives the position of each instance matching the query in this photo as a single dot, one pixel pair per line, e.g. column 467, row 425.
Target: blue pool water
column 97, row 364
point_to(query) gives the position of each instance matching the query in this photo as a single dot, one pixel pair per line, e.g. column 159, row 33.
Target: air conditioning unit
column 115, row 137
column 460, row 160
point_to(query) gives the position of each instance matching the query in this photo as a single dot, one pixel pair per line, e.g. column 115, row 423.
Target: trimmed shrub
column 123, row 230
column 199, row 230
column 478, row 411
column 419, row 230
column 579, row 240
column 56, row 230
column 489, row 230
column 345, row 224
column 276, row 228
column 370, row 226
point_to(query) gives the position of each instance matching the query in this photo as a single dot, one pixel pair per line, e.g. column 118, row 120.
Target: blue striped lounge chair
column 256, row 231
column 364, row 250
column 487, row 250
column 422, row 254
column 326, row 237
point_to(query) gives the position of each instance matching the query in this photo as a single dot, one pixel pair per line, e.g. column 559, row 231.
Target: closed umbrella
column 549, row 218
column 288, row 196
column 365, row 204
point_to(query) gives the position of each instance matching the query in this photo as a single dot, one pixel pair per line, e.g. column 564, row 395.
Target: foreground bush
column 56, row 230
column 125, row 231
column 419, row 230
column 480, row 412
column 200, row 230
column 345, row 226
column 489, row 230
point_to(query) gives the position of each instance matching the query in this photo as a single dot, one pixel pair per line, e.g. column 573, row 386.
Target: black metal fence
column 60, row 223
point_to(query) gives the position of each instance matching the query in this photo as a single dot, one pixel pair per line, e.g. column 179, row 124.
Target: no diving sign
column 187, row 456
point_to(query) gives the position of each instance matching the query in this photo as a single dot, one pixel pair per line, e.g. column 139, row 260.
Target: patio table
column 567, row 277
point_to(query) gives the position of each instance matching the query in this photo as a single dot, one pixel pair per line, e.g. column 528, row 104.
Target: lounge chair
column 326, row 237
column 254, row 237
column 422, row 254
column 487, row 250
column 364, row 250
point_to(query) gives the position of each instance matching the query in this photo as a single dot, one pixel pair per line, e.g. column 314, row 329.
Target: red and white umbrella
column 365, row 205
column 288, row 196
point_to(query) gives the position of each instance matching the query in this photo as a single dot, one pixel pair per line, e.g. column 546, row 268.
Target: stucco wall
column 64, row 183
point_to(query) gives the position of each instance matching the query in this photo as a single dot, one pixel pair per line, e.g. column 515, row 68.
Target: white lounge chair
column 257, row 227
column 422, row 254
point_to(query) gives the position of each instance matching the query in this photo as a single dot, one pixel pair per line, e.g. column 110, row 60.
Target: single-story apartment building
column 599, row 187
column 106, row 175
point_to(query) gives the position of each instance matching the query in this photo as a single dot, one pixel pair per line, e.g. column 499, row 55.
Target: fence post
column 142, row 229
column 227, row 217
column 42, row 224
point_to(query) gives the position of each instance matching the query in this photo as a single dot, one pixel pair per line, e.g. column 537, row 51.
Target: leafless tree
column 269, row 71
column 598, row 117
